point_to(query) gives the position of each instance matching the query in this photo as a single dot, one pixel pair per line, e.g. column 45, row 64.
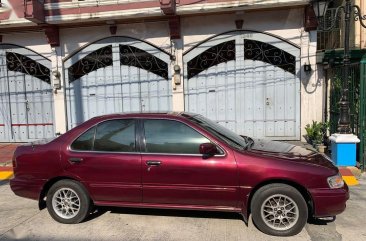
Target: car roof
column 145, row 114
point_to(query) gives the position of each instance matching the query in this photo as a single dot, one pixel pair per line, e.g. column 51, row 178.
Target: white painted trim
column 149, row 12
column 4, row 9
column 239, row 5
column 186, row 9
column 344, row 138
column 136, row 13
column 89, row 3
column 21, row 22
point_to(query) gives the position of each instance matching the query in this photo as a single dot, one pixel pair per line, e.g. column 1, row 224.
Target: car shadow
column 99, row 211
column 4, row 182
column 321, row 221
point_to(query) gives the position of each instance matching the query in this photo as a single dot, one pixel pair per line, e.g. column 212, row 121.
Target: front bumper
column 329, row 202
column 28, row 188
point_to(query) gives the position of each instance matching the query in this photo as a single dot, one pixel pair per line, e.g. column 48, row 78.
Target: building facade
column 240, row 63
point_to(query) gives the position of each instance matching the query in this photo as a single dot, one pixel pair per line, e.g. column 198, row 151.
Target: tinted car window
column 231, row 138
column 115, row 136
column 165, row 136
column 85, row 141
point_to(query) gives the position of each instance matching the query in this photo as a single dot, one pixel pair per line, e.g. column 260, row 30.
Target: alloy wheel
column 66, row 203
column 279, row 212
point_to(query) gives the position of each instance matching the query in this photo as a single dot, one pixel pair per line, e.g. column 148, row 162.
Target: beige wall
column 362, row 4
column 360, row 32
column 287, row 24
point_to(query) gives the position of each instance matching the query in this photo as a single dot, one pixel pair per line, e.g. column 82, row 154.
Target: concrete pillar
column 178, row 89
column 58, row 90
column 312, row 83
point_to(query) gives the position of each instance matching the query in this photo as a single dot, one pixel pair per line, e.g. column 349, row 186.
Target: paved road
column 20, row 219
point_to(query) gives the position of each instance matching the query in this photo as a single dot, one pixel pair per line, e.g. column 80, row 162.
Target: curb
column 6, row 173
column 6, row 164
column 348, row 175
column 355, row 171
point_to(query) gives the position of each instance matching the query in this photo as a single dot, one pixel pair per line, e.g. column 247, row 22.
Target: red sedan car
column 179, row 161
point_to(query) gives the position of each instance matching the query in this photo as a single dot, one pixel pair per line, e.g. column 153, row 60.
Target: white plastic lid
column 344, row 138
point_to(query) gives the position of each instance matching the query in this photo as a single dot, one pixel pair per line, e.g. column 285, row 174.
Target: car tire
column 279, row 210
column 68, row 202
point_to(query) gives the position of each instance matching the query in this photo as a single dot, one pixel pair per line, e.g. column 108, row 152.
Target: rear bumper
column 329, row 202
column 28, row 188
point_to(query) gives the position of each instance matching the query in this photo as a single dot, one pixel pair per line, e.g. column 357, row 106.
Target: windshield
column 226, row 135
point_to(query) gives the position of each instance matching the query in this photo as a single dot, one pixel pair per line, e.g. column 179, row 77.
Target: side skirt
column 170, row 206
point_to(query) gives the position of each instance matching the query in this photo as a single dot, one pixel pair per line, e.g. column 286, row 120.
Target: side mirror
column 208, row 150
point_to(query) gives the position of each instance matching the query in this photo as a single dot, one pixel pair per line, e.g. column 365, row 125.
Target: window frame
column 143, row 140
column 84, row 132
column 137, row 141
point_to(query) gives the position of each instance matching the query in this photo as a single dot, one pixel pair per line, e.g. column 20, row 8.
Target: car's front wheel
column 279, row 209
column 68, row 202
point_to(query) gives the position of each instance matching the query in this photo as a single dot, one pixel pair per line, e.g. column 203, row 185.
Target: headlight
column 335, row 181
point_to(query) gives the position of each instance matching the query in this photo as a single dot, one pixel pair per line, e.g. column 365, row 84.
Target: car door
column 107, row 161
column 175, row 173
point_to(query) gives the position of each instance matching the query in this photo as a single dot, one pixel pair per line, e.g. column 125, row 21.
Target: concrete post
column 58, row 91
column 178, row 89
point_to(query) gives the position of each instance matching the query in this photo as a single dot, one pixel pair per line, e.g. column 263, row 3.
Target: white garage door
column 246, row 81
column 26, row 99
column 115, row 75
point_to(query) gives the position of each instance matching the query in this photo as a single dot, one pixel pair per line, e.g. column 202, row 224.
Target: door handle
column 75, row 160
column 153, row 163
column 27, row 105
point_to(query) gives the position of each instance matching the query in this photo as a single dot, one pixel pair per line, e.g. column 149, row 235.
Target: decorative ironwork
column 215, row 55
column 256, row 50
column 132, row 56
column 358, row 16
column 100, row 58
column 20, row 63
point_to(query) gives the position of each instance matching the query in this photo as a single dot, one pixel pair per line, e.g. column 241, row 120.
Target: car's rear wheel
column 279, row 209
column 68, row 202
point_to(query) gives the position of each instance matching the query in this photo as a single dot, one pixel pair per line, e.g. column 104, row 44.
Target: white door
column 116, row 75
column 246, row 81
column 26, row 99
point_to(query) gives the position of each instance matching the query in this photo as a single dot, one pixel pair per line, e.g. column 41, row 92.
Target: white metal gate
column 26, row 101
column 246, row 81
column 117, row 74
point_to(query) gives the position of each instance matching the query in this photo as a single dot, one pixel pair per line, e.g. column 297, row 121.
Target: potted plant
column 316, row 134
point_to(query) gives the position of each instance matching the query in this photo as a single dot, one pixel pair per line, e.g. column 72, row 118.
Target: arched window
column 215, row 55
